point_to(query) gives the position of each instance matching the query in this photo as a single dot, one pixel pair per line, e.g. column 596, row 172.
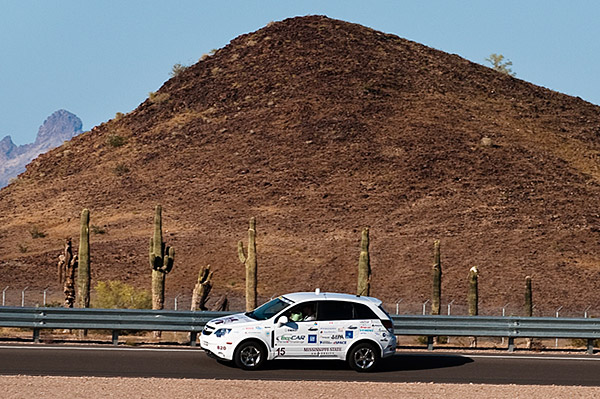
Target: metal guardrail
column 117, row 320
column 106, row 319
column 491, row 326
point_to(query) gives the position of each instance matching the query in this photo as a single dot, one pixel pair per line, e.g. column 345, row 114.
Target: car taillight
column 389, row 325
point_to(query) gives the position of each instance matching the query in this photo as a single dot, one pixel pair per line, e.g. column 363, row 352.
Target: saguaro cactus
column 161, row 261
column 202, row 289
column 364, row 266
column 473, row 297
column 250, row 262
column 83, row 273
column 67, row 264
column 436, row 299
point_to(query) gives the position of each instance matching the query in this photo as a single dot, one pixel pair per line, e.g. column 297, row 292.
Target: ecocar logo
column 291, row 338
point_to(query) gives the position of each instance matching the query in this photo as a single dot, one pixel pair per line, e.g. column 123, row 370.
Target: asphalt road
column 404, row 367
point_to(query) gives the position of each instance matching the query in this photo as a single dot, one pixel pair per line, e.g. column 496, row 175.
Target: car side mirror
column 282, row 321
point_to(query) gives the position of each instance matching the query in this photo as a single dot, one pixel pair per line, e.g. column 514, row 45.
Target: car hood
column 231, row 320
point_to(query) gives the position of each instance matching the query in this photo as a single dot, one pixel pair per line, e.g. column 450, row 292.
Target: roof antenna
column 317, row 291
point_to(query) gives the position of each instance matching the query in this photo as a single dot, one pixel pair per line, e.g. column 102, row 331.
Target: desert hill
column 318, row 127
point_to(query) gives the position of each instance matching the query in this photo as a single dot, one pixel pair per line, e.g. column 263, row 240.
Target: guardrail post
column 429, row 343
column 590, row 346
column 193, row 338
column 4, row 295
column 115, row 337
column 36, row 335
column 511, row 344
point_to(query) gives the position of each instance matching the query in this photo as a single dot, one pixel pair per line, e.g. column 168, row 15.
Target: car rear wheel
column 249, row 355
column 364, row 357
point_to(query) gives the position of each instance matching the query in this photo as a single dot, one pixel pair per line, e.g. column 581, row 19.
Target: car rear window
column 339, row 310
column 363, row 312
column 334, row 310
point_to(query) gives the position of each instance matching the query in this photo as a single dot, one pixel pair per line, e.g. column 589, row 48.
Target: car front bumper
column 217, row 347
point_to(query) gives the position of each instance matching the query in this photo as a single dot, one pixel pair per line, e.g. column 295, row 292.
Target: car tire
column 364, row 357
column 250, row 355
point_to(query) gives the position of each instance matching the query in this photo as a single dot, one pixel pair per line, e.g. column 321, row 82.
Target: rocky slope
column 59, row 127
column 318, row 127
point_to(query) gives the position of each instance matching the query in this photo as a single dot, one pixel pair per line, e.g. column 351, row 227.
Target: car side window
column 363, row 312
column 302, row 312
column 335, row 310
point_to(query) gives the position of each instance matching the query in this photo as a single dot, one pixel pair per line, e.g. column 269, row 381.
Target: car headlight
column 222, row 332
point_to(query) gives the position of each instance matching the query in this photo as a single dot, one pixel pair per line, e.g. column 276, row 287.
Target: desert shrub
column 118, row 295
column 36, row 232
column 157, row 98
column 121, row 169
column 22, row 248
column 177, row 69
column 97, row 229
column 114, row 140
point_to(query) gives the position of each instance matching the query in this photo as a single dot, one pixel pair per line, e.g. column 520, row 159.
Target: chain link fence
column 36, row 297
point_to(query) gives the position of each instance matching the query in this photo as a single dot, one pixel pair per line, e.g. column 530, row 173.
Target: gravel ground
column 88, row 387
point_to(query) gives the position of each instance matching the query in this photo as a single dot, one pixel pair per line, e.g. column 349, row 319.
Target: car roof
column 324, row 296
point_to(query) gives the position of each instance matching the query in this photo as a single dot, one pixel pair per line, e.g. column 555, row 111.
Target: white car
column 304, row 325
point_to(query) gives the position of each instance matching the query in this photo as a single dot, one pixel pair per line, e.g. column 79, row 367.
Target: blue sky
column 96, row 58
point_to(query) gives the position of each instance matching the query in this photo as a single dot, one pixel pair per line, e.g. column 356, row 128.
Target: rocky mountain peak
column 59, row 127
column 6, row 146
column 62, row 125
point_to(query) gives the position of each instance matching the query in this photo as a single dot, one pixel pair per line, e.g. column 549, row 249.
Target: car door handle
column 313, row 329
column 352, row 328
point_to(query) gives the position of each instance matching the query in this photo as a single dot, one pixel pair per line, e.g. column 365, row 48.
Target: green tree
column 500, row 64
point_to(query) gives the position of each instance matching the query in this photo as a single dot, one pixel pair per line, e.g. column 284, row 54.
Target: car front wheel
column 364, row 357
column 249, row 355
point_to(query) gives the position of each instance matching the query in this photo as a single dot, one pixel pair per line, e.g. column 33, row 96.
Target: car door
column 337, row 329
column 296, row 338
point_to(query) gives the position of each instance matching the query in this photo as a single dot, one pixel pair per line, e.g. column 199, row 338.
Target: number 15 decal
column 280, row 351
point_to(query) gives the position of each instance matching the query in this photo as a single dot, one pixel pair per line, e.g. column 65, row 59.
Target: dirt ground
column 19, row 387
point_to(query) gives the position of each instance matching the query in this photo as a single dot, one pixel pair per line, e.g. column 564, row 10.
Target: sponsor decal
column 322, row 349
column 327, row 342
column 364, row 330
column 312, row 339
column 291, row 338
column 349, row 335
column 339, row 342
column 336, row 336
column 325, row 329
column 226, row 320
column 221, row 348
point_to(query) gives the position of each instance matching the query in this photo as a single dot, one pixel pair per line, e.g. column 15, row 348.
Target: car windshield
column 269, row 309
